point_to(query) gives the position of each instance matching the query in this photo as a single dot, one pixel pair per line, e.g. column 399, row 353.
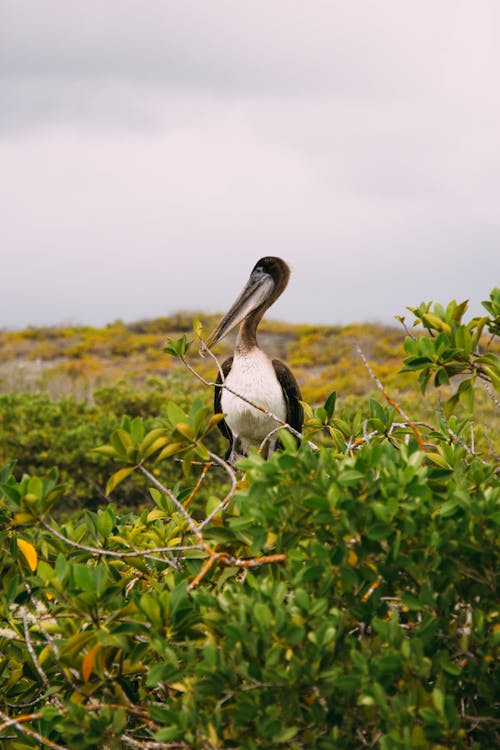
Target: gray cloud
column 221, row 44
column 152, row 151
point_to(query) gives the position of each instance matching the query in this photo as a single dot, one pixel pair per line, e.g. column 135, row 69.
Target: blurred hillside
column 77, row 360
column 63, row 390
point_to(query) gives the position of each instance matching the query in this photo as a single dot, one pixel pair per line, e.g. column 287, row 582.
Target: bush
column 339, row 595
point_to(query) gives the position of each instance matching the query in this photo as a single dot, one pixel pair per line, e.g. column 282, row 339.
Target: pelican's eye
column 258, row 272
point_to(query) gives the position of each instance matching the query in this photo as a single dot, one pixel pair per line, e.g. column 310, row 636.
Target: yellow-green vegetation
column 342, row 594
column 75, row 360
column 62, row 389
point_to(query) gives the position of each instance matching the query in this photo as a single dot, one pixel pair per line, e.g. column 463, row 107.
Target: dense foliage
column 340, row 595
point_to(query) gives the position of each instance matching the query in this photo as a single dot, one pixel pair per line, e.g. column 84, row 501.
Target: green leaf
column 411, row 601
column 137, row 430
column 106, row 450
column 451, row 405
column 151, row 608
column 170, row 450
column 288, row 441
column 104, row 523
column 416, row 363
column 263, row 614
column 450, row 667
column 118, row 477
column 441, row 377
column 429, row 716
column 213, row 422
column 175, row 414
column 177, row 347
column 378, row 531
column 285, row 735
column 82, row 576
column 185, row 429
column 122, row 443
column 438, row 700
column 155, row 446
column 329, row 405
column 150, row 438
column 350, row 477
column 448, row 508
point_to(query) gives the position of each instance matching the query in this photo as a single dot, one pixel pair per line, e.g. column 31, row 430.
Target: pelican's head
column 267, row 281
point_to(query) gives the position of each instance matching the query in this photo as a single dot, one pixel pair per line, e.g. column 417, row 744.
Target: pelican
column 267, row 383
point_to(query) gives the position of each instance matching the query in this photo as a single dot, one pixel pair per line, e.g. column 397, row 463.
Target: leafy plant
column 452, row 348
column 340, row 594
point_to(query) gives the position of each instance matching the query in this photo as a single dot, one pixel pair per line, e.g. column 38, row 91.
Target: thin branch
column 37, row 604
column 237, row 562
column 18, row 724
column 31, row 650
column 408, row 332
column 358, row 442
column 223, row 385
column 153, row 744
column 205, row 350
column 149, row 554
column 277, row 429
column 206, row 469
column 411, row 423
column 205, row 568
column 489, row 390
column 230, row 494
column 268, row 437
column 457, row 439
column 177, row 503
column 481, row 719
column 197, row 529
column 50, row 640
column 490, row 444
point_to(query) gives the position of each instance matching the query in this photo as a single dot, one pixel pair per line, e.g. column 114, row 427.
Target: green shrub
column 341, row 594
column 379, row 628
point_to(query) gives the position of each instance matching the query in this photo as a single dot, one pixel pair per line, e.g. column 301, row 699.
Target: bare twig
column 358, row 442
column 31, row 650
column 411, row 423
column 18, row 723
column 277, row 429
column 205, row 568
column 205, row 350
column 268, row 437
column 206, row 469
column 230, row 494
column 223, row 385
column 489, row 390
column 197, row 529
column 408, row 332
column 149, row 554
column 481, row 719
column 177, row 503
column 490, row 444
column 153, row 744
column 50, row 640
column 237, row 562
column 456, row 438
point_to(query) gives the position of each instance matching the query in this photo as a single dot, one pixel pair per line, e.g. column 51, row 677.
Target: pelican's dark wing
column 293, row 396
column 226, row 367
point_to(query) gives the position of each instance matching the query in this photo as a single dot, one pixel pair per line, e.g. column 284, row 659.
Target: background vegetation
column 340, row 595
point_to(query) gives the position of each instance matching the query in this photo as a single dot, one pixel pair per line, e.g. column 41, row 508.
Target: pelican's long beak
column 258, row 290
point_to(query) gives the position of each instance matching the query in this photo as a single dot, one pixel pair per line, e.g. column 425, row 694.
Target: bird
column 266, row 383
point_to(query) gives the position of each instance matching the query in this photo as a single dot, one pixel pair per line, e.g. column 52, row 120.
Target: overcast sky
column 152, row 151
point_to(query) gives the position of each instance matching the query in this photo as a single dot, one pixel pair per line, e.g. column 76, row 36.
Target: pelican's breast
column 252, row 374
